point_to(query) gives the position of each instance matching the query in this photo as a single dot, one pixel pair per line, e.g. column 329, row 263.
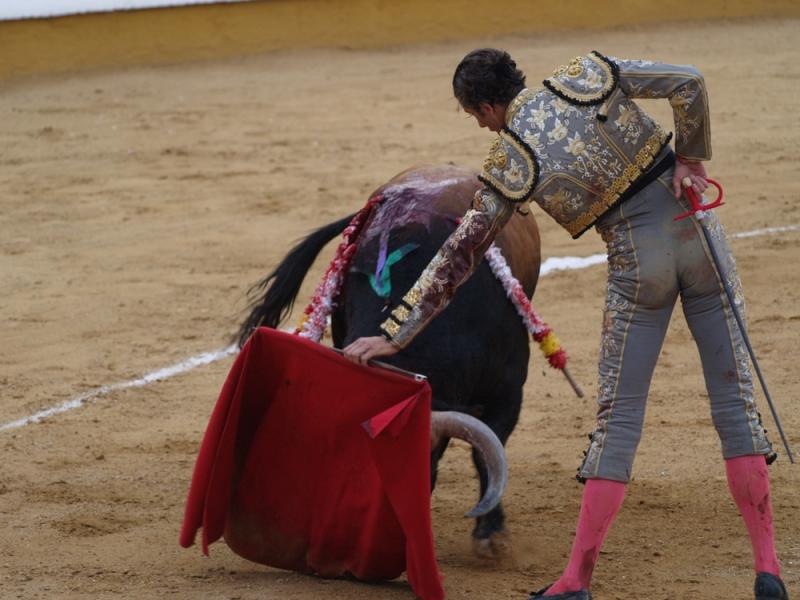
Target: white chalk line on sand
column 567, row 263
column 182, row 367
column 553, row 264
column 765, row 231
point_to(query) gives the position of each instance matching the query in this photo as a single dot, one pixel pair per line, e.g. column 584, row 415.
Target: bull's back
column 450, row 189
column 479, row 336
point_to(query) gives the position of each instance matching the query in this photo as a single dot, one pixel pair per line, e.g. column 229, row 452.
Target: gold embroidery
column 574, row 69
column 631, row 172
column 469, row 223
column 390, row 327
column 563, row 203
column 488, row 163
column 401, row 313
column 681, row 103
column 521, row 176
column 574, row 66
column 426, row 279
column 497, row 159
column 644, row 158
column 500, row 159
column 413, row 296
column 520, row 100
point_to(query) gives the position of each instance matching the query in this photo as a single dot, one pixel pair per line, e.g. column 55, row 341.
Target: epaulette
column 586, row 80
column 511, row 168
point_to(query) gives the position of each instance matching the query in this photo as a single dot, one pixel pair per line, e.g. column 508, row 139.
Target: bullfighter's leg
column 490, row 538
column 726, row 368
column 730, row 388
column 642, row 289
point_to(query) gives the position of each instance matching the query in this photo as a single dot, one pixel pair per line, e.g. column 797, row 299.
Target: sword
column 388, row 367
column 699, row 206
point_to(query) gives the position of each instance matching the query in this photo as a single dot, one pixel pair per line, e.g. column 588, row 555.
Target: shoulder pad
column 511, row 169
column 585, row 80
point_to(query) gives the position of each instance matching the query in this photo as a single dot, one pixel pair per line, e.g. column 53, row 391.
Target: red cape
column 315, row 464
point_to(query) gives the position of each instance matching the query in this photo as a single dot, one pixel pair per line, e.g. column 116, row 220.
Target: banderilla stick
column 572, row 382
column 738, row 317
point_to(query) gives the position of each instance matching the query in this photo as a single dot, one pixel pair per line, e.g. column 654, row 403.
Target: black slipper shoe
column 581, row 595
column 769, row 587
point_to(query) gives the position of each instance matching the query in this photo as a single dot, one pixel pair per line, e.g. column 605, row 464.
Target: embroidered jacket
column 575, row 146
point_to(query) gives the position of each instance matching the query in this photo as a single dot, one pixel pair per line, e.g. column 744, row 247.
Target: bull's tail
column 271, row 300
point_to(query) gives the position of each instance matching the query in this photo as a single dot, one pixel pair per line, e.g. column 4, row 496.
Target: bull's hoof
column 496, row 546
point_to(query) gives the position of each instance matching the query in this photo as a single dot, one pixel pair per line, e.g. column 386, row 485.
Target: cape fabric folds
column 315, row 464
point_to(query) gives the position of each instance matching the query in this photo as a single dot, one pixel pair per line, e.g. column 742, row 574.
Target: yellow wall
column 168, row 35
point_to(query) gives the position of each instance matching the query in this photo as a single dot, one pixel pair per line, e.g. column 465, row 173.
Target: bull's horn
column 451, row 424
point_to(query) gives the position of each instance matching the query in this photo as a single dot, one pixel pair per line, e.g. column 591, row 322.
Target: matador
column 584, row 151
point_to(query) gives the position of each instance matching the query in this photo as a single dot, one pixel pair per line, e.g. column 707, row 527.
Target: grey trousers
column 652, row 260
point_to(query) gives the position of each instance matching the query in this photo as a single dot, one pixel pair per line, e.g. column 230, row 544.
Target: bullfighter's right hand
column 696, row 173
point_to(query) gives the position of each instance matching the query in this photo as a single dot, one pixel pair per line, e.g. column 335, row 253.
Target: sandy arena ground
column 138, row 206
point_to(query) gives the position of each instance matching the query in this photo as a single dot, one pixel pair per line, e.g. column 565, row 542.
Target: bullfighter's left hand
column 367, row 348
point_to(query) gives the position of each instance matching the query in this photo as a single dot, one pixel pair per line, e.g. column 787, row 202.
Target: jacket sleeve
column 685, row 88
column 452, row 265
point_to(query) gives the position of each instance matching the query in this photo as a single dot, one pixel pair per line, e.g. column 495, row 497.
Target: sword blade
column 743, row 331
column 388, row 367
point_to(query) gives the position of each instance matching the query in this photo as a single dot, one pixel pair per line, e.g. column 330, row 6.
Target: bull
column 475, row 354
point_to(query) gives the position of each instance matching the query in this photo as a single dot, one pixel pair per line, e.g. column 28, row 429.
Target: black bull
column 475, row 354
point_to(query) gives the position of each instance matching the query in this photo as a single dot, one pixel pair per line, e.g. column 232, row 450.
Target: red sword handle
column 697, row 200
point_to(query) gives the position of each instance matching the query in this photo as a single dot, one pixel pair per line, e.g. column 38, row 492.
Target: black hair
column 487, row 75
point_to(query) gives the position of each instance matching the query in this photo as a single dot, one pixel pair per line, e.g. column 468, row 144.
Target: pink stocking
column 602, row 500
column 748, row 481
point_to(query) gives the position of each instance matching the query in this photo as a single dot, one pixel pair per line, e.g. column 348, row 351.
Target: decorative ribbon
column 541, row 331
column 315, row 316
column 381, row 281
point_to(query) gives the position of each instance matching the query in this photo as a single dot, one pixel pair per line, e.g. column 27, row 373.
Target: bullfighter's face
column 492, row 116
